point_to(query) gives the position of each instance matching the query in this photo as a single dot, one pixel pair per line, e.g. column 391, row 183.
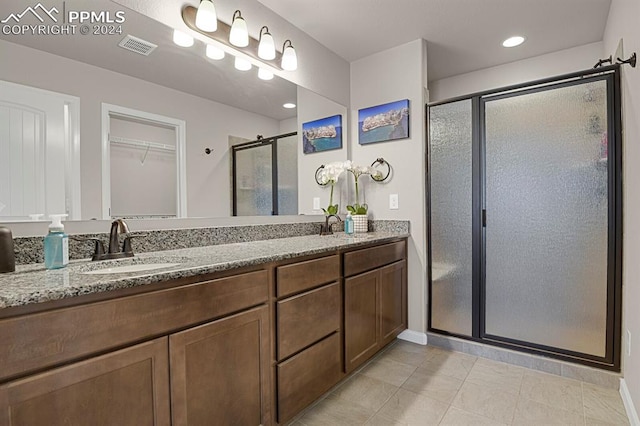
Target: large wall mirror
column 216, row 102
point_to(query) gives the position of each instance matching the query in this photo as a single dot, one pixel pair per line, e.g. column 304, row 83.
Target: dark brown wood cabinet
column 375, row 307
column 125, row 387
column 220, row 372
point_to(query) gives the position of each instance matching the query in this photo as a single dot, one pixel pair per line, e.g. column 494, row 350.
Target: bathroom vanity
column 247, row 333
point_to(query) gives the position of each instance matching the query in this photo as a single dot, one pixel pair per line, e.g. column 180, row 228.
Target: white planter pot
column 360, row 223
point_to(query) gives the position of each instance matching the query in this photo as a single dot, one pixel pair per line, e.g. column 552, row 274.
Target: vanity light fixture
column 182, row 39
column 266, row 45
column 214, row 52
column 513, row 41
column 289, row 105
column 264, row 74
column 239, row 34
column 242, row 64
column 289, row 57
column 206, row 18
column 234, row 39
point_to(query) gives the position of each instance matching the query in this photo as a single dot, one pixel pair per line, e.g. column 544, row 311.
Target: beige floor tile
column 505, row 377
column 457, row 417
column 595, row 422
column 603, row 404
column 449, row 363
column 412, row 347
column 333, row 411
column 379, row 420
column 535, row 414
column 388, row 370
column 552, row 390
column 400, row 354
column 486, row 401
column 365, row 391
column 410, row 408
column 436, row 386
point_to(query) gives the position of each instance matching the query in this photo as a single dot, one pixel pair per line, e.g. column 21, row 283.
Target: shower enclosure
column 265, row 176
column 525, row 217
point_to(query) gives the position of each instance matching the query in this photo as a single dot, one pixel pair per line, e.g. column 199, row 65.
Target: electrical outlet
column 316, row 203
column 393, row 201
column 628, row 343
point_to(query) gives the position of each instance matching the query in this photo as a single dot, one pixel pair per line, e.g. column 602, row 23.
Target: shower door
column 525, row 218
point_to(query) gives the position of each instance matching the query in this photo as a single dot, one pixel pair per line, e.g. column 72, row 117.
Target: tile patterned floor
column 409, row 384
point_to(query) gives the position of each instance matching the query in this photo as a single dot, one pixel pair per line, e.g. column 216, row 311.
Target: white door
column 38, row 153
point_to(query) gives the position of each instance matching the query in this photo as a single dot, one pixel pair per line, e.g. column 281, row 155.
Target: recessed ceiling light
column 513, row 41
column 289, row 105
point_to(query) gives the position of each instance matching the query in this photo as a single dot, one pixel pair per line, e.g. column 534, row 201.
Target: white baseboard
column 628, row 404
column 413, row 337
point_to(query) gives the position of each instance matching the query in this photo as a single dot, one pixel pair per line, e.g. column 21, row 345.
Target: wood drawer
column 301, row 276
column 307, row 318
column 48, row 338
column 363, row 260
column 308, row 375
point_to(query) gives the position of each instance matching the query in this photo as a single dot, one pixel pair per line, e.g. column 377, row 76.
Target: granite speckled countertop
column 32, row 284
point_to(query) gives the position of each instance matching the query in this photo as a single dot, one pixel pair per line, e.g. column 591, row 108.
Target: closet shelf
column 142, row 144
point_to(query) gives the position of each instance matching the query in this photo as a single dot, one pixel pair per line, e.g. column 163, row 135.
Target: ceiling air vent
column 137, row 45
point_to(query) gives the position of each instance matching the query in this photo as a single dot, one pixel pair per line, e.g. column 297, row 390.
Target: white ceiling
column 462, row 35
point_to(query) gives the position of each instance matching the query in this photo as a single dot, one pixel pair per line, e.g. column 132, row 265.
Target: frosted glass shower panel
column 254, row 181
column 450, row 156
column 546, row 232
column 288, row 175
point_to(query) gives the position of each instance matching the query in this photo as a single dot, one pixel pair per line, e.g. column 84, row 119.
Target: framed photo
column 322, row 135
column 383, row 122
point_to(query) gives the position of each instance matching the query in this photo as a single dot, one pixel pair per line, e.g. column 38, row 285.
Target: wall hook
column 381, row 161
column 631, row 61
column 208, row 151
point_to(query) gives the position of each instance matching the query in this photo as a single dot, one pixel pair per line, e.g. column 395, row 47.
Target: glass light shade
column 513, row 41
column 206, row 18
column 214, row 52
column 242, row 64
column 289, row 59
column 182, row 39
column 264, row 74
column 239, row 35
column 267, row 47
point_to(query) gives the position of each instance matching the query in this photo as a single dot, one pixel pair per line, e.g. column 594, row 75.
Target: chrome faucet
column 326, row 228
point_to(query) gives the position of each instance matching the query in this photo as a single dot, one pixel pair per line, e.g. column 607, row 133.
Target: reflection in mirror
column 211, row 97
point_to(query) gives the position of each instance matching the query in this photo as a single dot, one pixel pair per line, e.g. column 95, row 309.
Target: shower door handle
column 484, row 218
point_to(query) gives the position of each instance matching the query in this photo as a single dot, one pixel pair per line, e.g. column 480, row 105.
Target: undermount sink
column 125, row 269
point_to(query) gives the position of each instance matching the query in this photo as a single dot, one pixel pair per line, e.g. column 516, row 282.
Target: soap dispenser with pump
column 56, row 244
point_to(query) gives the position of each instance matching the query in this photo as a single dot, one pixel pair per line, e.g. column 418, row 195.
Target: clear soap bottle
column 56, row 244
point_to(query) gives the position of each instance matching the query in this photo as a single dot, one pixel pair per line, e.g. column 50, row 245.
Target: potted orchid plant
column 329, row 176
column 357, row 210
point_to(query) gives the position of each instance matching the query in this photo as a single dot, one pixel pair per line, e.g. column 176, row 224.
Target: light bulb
column 239, row 35
column 289, row 105
column 267, row 47
column 206, row 18
column 289, row 58
column 242, row 64
column 214, row 52
column 182, row 39
column 264, row 74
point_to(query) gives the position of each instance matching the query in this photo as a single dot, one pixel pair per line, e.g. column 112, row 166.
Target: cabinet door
column 220, row 372
column 126, row 387
column 360, row 318
column 393, row 306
